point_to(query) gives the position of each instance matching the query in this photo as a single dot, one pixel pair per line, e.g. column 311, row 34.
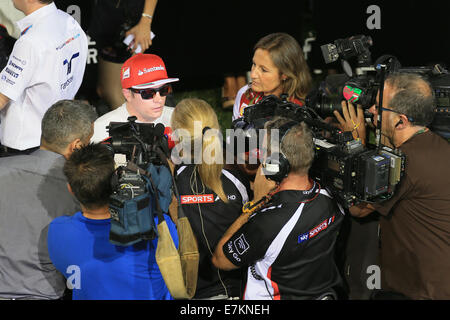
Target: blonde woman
column 211, row 194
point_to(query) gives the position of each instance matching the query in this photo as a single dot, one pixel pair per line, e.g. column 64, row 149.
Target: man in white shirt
column 145, row 86
column 46, row 65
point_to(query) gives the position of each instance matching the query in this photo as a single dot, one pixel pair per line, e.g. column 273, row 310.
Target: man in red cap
column 145, row 86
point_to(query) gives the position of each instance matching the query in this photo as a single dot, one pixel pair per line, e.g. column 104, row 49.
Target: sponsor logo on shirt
column 12, row 73
column 202, row 198
column 241, row 110
column 231, row 251
column 241, row 244
column 23, row 62
column 8, row 81
column 26, row 30
column 231, row 197
column 67, row 42
column 69, row 62
column 66, row 84
column 316, row 230
column 12, row 64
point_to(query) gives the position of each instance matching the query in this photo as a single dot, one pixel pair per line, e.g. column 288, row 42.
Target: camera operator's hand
column 352, row 121
column 262, row 186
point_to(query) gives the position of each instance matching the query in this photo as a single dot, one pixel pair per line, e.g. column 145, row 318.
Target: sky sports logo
column 202, row 198
column 315, row 231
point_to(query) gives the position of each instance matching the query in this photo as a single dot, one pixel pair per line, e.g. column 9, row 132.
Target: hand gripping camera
column 362, row 85
column 349, row 170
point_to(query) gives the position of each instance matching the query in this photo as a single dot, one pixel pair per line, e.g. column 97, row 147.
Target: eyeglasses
column 390, row 110
column 149, row 93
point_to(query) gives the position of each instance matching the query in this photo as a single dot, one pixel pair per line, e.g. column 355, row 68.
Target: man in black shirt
column 288, row 244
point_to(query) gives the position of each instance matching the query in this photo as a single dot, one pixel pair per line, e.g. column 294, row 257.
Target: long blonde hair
column 188, row 115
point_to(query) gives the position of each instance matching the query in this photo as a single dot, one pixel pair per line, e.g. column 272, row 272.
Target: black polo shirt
column 210, row 217
column 289, row 246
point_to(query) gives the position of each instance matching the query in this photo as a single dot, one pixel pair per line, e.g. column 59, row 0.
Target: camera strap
column 250, row 207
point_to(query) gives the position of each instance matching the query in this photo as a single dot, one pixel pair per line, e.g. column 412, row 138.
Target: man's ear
column 402, row 122
column 76, row 144
column 71, row 147
column 127, row 94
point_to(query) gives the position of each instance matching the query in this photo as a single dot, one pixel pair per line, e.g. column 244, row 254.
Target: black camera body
column 349, row 170
column 363, row 88
column 356, row 46
column 354, row 173
column 137, row 141
column 134, row 199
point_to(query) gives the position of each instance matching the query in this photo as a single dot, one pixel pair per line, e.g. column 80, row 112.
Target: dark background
column 201, row 40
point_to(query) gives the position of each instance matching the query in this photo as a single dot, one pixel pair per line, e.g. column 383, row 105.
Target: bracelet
column 147, row 16
column 355, row 126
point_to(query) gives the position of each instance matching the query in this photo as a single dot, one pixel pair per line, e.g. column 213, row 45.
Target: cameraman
column 289, row 243
column 415, row 223
column 81, row 242
column 278, row 67
column 46, row 65
column 212, row 194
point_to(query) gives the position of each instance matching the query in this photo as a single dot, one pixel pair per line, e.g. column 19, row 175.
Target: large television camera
column 139, row 142
column 352, row 171
column 135, row 196
column 362, row 85
column 349, row 170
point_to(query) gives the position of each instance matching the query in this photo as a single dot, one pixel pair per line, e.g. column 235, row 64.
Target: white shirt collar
column 37, row 15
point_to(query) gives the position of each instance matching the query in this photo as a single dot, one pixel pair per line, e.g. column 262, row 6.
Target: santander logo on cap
column 143, row 71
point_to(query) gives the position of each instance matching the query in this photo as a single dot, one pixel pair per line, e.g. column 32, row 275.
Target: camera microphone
column 159, row 130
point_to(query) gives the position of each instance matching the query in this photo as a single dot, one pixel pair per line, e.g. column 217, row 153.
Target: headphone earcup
column 276, row 167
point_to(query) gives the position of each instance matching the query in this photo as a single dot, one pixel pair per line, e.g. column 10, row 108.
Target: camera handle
column 381, row 68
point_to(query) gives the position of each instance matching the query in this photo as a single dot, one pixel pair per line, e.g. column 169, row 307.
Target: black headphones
column 276, row 167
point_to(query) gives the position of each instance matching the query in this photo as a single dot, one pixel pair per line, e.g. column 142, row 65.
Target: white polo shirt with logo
column 46, row 65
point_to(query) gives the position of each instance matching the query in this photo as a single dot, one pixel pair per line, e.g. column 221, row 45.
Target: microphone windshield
column 159, row 130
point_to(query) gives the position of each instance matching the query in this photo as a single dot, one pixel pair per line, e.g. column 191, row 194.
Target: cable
column 128, row 186
column 258, row 277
